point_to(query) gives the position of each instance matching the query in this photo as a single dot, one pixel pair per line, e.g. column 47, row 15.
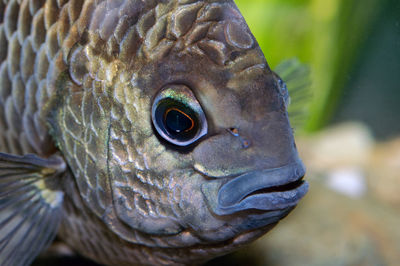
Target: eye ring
column 177, row 115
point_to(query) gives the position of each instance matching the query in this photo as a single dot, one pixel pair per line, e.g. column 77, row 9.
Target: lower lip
column 267, row 201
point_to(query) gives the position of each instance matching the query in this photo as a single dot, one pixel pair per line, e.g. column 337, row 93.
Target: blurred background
column 349, row 138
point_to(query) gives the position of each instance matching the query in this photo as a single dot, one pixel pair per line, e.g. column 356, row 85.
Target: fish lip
column 265, row 190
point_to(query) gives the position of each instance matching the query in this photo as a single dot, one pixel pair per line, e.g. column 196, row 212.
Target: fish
column 141, row 132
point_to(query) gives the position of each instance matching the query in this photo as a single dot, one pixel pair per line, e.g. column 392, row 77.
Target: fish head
column 175, row 127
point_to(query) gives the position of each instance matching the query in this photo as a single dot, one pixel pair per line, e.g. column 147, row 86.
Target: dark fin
column 30, row 206
column 298, row 81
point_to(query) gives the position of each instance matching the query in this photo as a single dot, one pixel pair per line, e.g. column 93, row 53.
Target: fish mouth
column 263, row 190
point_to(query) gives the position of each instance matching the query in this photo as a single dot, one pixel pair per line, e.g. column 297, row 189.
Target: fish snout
column 269, row 189
column 264, row 190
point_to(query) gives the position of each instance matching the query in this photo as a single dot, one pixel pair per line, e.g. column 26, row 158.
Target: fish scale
column 23, row 73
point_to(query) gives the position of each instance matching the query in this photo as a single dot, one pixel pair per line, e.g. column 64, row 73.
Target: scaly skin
column 78, row 78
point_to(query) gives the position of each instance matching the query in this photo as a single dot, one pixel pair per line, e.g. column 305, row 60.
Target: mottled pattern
column 23, row 91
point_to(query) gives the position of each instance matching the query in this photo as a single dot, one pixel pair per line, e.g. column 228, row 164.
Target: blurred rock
column 341, row 146
column 384, row 172
column 346, row 158
column 339, row 156
column 349, row 181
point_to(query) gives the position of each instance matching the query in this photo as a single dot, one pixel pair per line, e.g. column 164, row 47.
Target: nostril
column 245, row 143
column 234, row 131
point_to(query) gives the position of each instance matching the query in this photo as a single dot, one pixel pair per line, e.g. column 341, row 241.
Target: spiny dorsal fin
column 298, row 81
column 30, row 211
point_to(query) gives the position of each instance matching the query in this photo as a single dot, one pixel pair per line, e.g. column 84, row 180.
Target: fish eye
column 178, row 116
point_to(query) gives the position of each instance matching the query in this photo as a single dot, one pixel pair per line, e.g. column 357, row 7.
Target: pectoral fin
column 30, row 206
column 298, row 80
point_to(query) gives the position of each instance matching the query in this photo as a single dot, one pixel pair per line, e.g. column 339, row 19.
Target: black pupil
column 177, row 122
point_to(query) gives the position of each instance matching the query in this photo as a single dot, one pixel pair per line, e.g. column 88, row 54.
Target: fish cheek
column 145, row 175
column 192, row 208
column 196, row 212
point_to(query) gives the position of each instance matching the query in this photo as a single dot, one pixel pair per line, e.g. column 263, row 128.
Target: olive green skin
column 78, row 78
